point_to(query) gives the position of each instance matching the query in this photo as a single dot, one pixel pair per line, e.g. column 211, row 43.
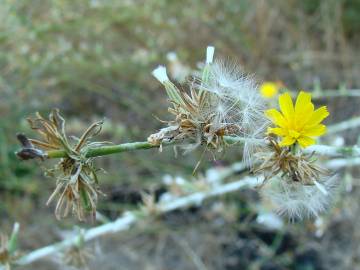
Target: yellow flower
column 297, row 124
column 269, row 89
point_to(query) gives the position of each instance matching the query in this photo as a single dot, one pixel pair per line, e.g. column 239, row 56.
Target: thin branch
column 130, row 218
column 330, row 93
column 125, row 147
column 330, row 151
column 348, row 124
column 338, row 163
column 334, row 151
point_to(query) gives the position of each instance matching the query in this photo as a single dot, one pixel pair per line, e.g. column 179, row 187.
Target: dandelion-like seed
column 296, row 200
column 77, row 184
column 223, row 102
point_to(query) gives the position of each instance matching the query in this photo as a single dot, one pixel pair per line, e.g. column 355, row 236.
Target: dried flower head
column 5, row 257
column 77, row 183
column 149, row 203
column 297, row 124
column 78, row 255
column 275, row 160
column 222, row 102
column 295, row 200
column 8, row 248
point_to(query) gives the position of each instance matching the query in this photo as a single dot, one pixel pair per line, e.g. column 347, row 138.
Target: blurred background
column 93, row 60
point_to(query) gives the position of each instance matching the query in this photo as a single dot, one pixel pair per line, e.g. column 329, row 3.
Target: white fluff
column 321, row 188
column 238, row 102
column 210, row 54
column 295, row 200
column 160, row 74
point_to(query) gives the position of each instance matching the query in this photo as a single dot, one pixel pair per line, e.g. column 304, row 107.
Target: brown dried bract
column 28, row 150
column 7, row 258
column 77, row 184
column 4, row 253
column 298, row 167
column 195, row 123
column 78, row 256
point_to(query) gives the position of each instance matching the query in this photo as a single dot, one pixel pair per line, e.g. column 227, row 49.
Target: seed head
column 223, row 102
column 296, row 200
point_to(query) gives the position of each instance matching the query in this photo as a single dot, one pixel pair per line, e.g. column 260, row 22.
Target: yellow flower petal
column 294, row 133
column 287, row 141
column 318, row 115
column 286, row 106
column 302, row 101
column 303, row 109
column 317, row 130
column 305, row 141
column 277, row 131
column 297, row 124
column 276, row 117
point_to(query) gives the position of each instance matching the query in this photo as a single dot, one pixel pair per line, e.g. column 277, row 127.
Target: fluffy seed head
column 223, row 102
column 239, row 102
column 295, row 200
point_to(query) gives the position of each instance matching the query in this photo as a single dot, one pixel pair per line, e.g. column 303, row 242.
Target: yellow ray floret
column 299, row 123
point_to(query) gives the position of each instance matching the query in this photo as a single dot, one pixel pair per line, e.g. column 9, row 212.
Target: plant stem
column 124, row 147
column 330, row 93
column 334, row 151
column 348, row 124
column 336, row 93
column 330, row 151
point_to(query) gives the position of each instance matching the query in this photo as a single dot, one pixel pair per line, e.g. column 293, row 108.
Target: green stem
column 124, row 147
column 294, row 148
column 329, row 151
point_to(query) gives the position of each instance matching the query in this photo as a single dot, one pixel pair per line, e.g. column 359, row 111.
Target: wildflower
column 299, row 124
column 269, row 89
column 77, row 183
column 222, row 102
column 295, row 200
